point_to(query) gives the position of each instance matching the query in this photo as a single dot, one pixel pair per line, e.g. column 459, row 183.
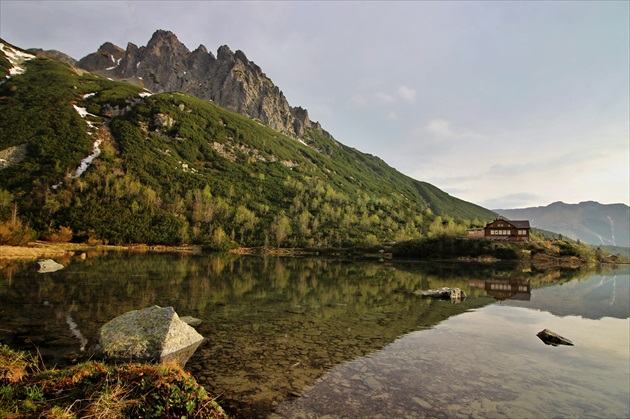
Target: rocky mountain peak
column 230, row 80
column 107, row 56
column 225, row 53
column 201, row 49
column 165, row 42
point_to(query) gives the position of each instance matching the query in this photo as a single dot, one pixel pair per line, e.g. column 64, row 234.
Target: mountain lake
column 321, row 337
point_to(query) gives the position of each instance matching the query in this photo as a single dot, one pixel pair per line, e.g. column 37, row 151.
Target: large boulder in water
column 154, row 334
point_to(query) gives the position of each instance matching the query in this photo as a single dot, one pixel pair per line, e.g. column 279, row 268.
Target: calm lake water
column 310, row 338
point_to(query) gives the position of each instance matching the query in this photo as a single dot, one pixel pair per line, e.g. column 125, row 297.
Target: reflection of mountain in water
column 593, row 298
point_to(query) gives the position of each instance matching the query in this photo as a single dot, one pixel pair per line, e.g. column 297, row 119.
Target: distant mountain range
column 590, row 222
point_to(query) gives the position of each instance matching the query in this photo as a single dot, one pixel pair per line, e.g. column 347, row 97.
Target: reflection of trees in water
column 283, row 320
column 229, row 288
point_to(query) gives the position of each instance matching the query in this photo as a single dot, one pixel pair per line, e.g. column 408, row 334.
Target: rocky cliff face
column 230, row 80
column 107, row 57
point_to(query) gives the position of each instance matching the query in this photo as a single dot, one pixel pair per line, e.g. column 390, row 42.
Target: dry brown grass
column 111, row 404
column 13, row 368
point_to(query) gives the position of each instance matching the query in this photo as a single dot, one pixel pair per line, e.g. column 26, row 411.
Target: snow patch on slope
column 96, row 151
column 16, row 58
column 85, row 163
column 82, row 111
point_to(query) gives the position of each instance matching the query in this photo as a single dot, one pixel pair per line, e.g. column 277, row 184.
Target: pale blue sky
column 504, row 104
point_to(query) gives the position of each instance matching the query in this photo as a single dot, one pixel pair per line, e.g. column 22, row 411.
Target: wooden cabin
column 501, row 229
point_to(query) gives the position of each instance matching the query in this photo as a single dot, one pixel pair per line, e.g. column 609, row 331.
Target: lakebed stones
column 445, row 293
column 553, row 339
column 48, row 265
column 154, row 334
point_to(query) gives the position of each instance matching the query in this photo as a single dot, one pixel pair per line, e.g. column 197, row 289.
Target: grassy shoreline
column 41, row 249
column 99, row 390
column 457, row 249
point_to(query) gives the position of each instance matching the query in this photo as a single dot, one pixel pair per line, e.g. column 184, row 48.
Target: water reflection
column 489, row 363
column 515, row 289
column 594, row 297
column 274, row 326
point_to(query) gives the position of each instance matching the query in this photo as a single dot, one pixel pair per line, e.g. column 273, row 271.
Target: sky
column 504, row 104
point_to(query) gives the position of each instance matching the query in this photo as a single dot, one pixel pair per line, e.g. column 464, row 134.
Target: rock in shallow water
column 553, row 339
column 191, row 321
column 153, row 334
column 48, row 265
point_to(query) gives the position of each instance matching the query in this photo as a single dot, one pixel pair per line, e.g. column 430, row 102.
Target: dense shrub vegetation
column 176, row 169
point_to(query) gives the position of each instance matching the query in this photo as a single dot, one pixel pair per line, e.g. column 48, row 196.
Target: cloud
column 440, row 128
column 384, row 98
column 407, row 93
column 366, row 94
column 393, row 116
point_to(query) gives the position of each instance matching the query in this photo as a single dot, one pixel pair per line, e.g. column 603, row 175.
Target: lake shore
column 41, row 249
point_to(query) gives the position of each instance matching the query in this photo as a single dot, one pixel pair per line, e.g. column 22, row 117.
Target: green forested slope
column 177, row 169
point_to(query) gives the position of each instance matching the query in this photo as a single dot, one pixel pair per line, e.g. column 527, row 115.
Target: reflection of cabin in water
column 502, row 290
column 501, row 229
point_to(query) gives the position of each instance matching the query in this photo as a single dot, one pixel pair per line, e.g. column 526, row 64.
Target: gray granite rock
column 154, row 334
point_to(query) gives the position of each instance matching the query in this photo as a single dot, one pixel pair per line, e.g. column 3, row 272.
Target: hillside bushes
column 176, row 169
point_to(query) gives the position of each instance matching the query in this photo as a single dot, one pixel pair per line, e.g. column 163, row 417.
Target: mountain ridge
column 230, row 79
column 171, row 168
column 588, row 221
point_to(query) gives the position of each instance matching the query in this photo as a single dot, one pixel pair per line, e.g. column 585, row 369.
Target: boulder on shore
column 154, row 334
column 48, row 265
column 445, row 293
column 553, row 339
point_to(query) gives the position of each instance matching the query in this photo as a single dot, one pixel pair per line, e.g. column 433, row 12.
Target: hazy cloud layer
column 505, row 104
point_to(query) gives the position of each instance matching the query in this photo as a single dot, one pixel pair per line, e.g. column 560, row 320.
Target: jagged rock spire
column 230, row 80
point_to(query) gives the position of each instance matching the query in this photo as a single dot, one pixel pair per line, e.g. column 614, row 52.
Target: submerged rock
column 48, row 265
column 553, row 339
column 445, row 293
column 191, row 321
column 154, row 334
